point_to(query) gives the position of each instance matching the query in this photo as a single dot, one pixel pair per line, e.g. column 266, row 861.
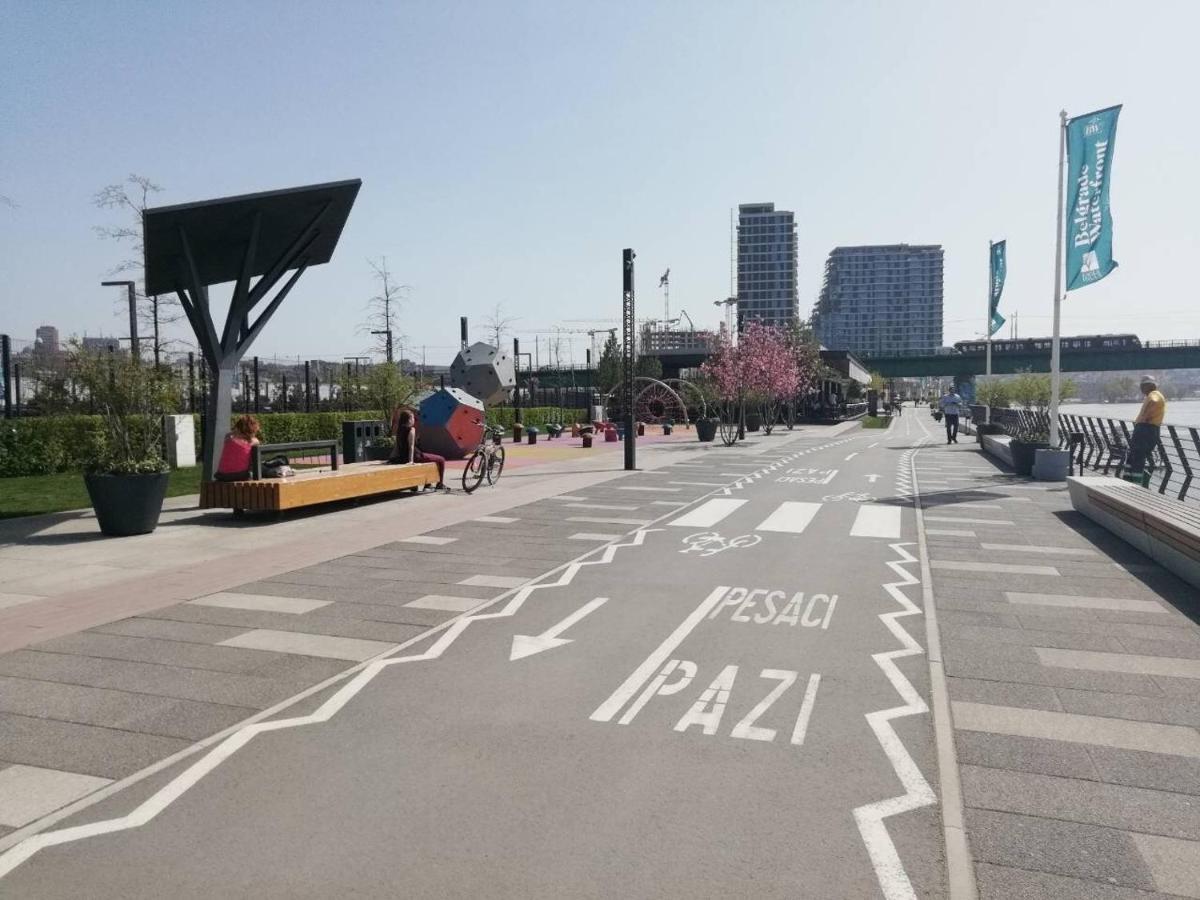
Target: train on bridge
column 1035, row 345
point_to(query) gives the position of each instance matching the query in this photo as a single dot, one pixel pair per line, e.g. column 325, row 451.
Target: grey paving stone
column 1174, row 632
column 1026, row 637
column 1176, row 687
column 951, row 618
column 1159, row 771
column 1174, row 649
column 1002, row 693
column 1057, row 847
column 242, row 620
column 1006, row 883
column 173, row 653
column 147, row 713
column 1168, row 710
column 87, row 749
column 1078, row 800
column 223, row 688
column 1024, row 754
column 965, row 666
column 141, row 626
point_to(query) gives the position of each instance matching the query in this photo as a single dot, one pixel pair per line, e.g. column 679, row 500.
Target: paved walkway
column 256, row 739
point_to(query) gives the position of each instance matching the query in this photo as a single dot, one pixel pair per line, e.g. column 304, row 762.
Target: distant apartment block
column 46, row 339
column 766, row 265
column 881, row 299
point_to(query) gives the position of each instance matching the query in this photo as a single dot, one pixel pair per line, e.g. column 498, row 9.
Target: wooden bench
column 1165, row 529
column 311, row 487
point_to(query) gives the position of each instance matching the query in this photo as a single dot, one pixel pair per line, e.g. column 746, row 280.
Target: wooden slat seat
column 312, row 487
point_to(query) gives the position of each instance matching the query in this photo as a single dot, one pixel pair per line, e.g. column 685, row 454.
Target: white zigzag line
column 893, row 880
column 187, row 779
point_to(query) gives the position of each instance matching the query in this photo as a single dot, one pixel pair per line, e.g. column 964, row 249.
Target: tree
column 131, row 198
column 383, row 310
column 992, row 392
column 499, row 325
column 608, row 369
column 386, row 389
column 769, row 367
column 725, row 374
column 647, row 366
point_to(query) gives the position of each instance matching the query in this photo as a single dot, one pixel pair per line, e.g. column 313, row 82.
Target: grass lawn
column 34, row 494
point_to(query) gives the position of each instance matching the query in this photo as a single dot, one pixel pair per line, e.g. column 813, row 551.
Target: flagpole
column 987, row 330
column 1055, row 350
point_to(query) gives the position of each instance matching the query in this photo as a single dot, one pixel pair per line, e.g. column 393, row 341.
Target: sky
column 509, row 151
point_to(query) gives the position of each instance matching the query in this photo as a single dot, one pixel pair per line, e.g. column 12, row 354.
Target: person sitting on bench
column 407, row 451
column 236, row 451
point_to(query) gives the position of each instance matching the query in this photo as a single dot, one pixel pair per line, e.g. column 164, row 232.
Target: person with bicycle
column 407, row 450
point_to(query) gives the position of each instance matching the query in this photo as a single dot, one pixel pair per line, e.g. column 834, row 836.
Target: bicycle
column 486, row 462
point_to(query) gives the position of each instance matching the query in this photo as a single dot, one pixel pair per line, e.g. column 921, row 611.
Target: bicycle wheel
column 495, row 465
column 473, row 473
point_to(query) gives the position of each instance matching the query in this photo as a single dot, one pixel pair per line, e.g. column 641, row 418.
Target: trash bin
column 532, row 434
column 517, row 429
column 641, row 429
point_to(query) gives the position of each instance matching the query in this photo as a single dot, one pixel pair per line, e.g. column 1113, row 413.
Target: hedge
column 48, row 444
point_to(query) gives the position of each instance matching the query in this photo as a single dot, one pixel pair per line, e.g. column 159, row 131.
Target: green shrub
column 539, row 416
column 876, row 421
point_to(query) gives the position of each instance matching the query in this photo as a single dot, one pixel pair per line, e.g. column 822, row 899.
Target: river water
column 1179, row 412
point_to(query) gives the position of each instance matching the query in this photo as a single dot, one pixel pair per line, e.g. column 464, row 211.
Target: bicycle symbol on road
column 709, row 543
column 852, row 496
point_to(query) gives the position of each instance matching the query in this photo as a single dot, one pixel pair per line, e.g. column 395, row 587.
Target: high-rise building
column 881, row 299
column 46, row 339
column 766, row 265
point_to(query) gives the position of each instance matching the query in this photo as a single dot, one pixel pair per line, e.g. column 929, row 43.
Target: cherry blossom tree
column 724, row 372
column 771, row 371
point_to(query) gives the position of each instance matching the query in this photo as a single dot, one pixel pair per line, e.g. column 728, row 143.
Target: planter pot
column 706, row 429
column 127, row 504
column 753, row 421
column 379, row 453
column 1051, row 465
column 1023, row 456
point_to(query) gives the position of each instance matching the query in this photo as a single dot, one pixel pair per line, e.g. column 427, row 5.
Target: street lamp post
column 133, row 329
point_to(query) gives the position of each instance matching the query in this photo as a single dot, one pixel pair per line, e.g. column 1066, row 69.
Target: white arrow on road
column 872, row 478
column 526, row 645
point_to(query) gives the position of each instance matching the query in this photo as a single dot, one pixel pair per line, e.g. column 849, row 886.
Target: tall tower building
column 46, row 339
column 766, row 265
column 881, row 299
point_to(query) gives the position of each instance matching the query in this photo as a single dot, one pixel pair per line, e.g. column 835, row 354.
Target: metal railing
column 1101, row 445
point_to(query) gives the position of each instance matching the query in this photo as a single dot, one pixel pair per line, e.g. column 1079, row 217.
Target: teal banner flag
column 999, row 268
column 1091, row 141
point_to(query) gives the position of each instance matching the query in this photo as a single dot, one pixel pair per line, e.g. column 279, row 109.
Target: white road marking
column 851, row 456
column 496, row 520
column 699, row 483
column 29, row 792
column 445, row 603
column 524, row 645
column 655, row 489
column 572, row 497
column 871, row 479
column 1033, row 548
column 669, row 502
column 952, row 565
column 593, row 536
column 610, row 707
column 806, row 708
column 601, row 520
column 260, row 602
column 1071, row 601
column 792, row 517
column 1129, row 663
column 427, row 539
column 967, row 521
column 949, row 532
column 499, row 581
column 877, row 521
column 708, row 513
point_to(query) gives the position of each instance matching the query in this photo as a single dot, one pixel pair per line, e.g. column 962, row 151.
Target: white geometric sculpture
column 484, row 372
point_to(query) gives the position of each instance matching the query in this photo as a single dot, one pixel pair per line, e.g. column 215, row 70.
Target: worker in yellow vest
column 1146, row 428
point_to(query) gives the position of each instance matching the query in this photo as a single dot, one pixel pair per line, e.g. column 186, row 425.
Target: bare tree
column 499, row 325
column 130, row 197
column 383, row 310
column 5, row 200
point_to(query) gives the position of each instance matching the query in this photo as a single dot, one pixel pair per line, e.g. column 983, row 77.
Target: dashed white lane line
column 877, row 521
column 427, row 539
column 496, row 581
column 652, row 489
column 593, row 536
column 604, row 520
column 668, row 502
column 699, row 483
column 708, row 513
column 851, row 456
column 792, row 516
column 496, row 520
column 604, row 506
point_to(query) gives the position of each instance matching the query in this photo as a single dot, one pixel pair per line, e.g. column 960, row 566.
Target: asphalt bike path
column 729, row 699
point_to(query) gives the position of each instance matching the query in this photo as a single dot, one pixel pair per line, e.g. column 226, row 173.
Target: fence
column 1100, row 445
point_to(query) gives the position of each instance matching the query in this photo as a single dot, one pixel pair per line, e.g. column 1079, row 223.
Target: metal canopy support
column 225, row 353
column 629, row 327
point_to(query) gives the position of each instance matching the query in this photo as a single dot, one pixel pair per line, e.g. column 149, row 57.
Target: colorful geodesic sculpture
column 451, row 423
column 484, row 372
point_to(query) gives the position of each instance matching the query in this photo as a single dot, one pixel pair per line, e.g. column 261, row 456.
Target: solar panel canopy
column 218, row 232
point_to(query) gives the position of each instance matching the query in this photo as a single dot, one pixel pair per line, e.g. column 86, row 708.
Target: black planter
column 753, row 421
column 1022, row 454
column 706, row 429
column 379, row 453
column 127, row 504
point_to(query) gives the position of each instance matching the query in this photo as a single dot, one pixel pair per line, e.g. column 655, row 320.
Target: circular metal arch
column 652, row 401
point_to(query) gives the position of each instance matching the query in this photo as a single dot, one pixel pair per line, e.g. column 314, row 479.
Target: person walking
column 1146, row 428
column 951, row 405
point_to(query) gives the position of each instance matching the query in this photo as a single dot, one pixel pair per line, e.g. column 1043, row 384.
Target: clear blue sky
column 508, row 151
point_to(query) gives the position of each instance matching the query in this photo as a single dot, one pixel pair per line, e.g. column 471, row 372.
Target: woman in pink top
column 235, row 453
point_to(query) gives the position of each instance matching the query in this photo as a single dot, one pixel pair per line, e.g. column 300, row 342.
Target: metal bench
column 258, row 451
column 1165, row 529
